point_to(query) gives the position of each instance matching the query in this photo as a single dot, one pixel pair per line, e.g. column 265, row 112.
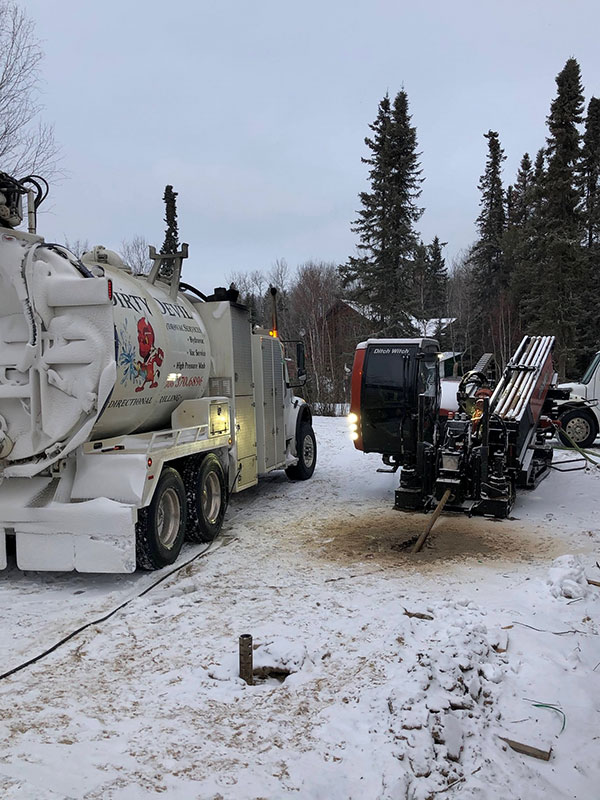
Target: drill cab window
column 391, row 381
column 429, row 375
column 392, row 370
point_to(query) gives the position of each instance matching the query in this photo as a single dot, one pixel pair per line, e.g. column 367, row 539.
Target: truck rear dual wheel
column 306, row 450
column 580, row 426
column 206, row 492
column 160, row 529
column 191, row 505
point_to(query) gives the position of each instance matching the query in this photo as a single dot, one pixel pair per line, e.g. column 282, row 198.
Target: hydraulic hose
column 584, row 453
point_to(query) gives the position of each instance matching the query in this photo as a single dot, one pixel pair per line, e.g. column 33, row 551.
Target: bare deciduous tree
column 253, row 288
column 27, row 144
column 248, row 283
column 78, row 246
column 316, row 289
column 135, row 254
column 279, row 275
column 306, row 299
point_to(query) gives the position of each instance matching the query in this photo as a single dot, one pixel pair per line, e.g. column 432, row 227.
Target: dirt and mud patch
column 387, row 537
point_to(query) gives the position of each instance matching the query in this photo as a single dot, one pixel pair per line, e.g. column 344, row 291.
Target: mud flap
column 94, row 536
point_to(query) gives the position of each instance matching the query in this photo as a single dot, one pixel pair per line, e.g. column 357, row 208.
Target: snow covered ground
column 403, row 672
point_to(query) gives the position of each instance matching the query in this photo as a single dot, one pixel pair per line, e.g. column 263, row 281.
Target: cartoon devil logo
column 152, row 357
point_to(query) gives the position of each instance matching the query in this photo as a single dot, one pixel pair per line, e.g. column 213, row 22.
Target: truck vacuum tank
column 87, row 351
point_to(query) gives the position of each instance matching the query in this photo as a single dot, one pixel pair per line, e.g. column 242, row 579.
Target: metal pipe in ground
column 246, row 666
column 439, row 508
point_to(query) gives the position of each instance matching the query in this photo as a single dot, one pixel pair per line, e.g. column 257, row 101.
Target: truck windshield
column 587, row 375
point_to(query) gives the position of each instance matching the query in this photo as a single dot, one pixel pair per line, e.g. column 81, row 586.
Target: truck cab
column 589, row 386
column 580, row 414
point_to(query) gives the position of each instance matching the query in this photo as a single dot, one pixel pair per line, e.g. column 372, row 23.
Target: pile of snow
column 441, row 687
column 566, row 577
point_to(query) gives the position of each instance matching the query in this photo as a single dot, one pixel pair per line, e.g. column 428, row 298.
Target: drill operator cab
column 395, row 396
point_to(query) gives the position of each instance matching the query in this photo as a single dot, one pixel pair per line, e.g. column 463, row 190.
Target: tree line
column 533, row 267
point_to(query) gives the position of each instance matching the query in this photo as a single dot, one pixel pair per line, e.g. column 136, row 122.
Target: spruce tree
column 509, row 205
column 361, row 272
column 488, row 266
column 437, row 280
column 524, row 242
column 430, row 285
column 563, row 273
column 381, row 276
column 590, row 168
column 420, row 299
column 487, row 251
column 590, row 174
column 522, row 193
column 171, row 242
column 518, row 211
column 539, row 183
column 405, row 213
column 563, row 150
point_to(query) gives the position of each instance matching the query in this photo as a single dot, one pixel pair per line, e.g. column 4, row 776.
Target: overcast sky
column 256, row 112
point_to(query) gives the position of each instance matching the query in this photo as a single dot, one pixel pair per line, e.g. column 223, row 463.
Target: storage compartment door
column 245, row 437
column 273, row 395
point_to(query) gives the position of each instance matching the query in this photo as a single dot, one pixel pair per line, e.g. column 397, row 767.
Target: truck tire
column 306, row 449
column 206, row 492
column 580, row 425
column 160, row 528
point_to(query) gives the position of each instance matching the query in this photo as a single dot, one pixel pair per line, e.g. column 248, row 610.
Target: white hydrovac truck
column 130, row 406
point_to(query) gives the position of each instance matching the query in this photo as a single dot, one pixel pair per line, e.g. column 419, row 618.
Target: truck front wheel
column 160, row 528
column 580, row 426
column 206, row 498
column 306, row 449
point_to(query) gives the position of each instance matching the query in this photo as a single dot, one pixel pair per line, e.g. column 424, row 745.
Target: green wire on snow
column 552, row 708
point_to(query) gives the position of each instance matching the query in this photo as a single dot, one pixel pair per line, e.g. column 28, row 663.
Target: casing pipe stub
column 246, row 668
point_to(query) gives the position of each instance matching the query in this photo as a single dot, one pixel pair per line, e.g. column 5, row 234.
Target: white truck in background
column 130, row 406
column 580, row 414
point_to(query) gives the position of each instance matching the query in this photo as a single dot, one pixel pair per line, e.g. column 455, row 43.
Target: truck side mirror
column 301, row 360
column 299, row 370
